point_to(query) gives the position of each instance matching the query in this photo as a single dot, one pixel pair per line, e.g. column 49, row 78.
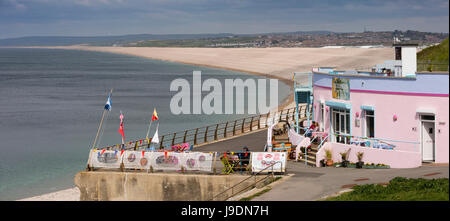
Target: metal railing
column 376, row 142
column 432, row 66
column 245, row 188
column 210, row 133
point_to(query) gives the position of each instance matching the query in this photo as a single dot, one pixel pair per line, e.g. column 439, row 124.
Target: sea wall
column 141, row 186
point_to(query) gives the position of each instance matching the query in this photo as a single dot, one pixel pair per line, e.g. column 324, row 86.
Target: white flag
column 155, row 138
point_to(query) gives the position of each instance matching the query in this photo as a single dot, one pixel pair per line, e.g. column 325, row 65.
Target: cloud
column 238, row 16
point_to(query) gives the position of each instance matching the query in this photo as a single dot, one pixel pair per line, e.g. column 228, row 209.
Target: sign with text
column 262, row 160
column 340, row 88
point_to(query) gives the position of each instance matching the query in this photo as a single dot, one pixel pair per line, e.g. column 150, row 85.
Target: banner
column 136, row 159
column 262, row 160
column 105, row 158
column 197, row 161
column 192, row 161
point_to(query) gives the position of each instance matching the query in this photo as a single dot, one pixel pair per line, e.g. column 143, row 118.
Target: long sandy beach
column 271, row 62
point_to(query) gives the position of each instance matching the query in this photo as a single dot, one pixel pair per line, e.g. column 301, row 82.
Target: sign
column 105, row 158
column 262, row 160
column 340, row 88
column 136, row 160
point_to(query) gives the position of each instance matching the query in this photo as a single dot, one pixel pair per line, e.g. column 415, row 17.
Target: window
column 369, row 118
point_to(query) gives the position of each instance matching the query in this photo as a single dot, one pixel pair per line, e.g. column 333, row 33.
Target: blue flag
column 108, row 103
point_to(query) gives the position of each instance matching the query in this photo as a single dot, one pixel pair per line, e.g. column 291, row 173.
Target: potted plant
column 323, row 163
column 329, row 156
column 360, row 163
column 344, row 159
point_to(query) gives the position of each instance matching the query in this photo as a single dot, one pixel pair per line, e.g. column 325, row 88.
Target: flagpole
column 100, row 126
column 148, row 131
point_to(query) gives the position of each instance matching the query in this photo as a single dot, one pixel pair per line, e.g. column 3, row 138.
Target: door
column 428, row 141
column 341, row 125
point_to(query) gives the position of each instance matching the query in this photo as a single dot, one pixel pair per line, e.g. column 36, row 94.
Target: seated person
column 244, row 157
column 311, row 129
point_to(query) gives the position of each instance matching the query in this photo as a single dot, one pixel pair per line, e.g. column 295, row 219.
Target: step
column 309, row 162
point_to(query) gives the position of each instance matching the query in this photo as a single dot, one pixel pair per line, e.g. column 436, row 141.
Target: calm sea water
column 51, row 102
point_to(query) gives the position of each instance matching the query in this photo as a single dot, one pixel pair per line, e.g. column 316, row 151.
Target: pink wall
column 404, row 106
column 393, row 158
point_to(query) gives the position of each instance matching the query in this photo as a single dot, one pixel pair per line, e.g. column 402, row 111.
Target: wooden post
column 206, row 134
column 251, row 125
column 267, row 119
column 287, row 115
column 243, row 123
column 173, row 138
column 184, row 138
column 225, row 130
column 195, row 136
column 161, row 142
column 215, row 132
column 234, row 128
column 259, row 122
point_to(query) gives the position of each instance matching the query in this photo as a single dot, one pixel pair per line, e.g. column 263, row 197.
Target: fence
column 216, row 132
column 432, row 67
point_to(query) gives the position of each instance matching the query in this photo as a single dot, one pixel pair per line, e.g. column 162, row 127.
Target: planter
column 329, row 163
column 344, row 163
column 359, row 165
column 323, row 163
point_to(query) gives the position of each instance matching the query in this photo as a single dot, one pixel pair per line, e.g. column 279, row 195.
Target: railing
column 218, row 131
column 423, row 66
column 323, row 142
column 376, row 142
column 225, row 196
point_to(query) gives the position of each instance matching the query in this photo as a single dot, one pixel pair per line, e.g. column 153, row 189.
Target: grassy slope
column 437, row 54
column 399, row 189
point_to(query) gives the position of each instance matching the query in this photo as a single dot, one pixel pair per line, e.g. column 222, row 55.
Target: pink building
column 399, row 121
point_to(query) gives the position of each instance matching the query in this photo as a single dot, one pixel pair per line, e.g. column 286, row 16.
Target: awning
column 340, row 105
column 425, row 111
column 367, row 108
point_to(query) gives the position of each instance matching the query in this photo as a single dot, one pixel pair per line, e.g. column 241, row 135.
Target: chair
column 227, row 165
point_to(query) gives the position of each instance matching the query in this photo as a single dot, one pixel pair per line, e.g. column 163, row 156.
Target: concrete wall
column 139, row 186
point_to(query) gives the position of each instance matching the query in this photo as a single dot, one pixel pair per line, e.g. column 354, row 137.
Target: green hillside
column 434, row 58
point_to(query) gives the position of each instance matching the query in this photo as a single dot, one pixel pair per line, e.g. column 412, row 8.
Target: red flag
column 155, row 115
column 121, row 128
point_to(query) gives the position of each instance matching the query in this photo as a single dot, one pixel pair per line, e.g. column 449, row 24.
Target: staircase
column 311, row 156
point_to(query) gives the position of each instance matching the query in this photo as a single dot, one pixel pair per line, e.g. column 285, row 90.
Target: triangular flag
column 121, row 127
column 155, row 138
column 155, row 115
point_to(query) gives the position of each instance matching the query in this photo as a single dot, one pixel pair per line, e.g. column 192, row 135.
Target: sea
column 52, row 100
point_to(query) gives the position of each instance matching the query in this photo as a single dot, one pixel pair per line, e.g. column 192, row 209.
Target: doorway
column 340, row 119
column 427, row 137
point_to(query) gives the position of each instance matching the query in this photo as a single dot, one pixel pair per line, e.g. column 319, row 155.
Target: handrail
column 253, row 175
column 215, row 131
column 322, row 142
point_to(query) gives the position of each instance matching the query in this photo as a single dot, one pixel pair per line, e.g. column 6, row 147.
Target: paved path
column 255, row 142
column 312, row 183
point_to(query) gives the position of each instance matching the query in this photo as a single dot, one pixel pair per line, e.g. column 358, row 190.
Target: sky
column 20, row 18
